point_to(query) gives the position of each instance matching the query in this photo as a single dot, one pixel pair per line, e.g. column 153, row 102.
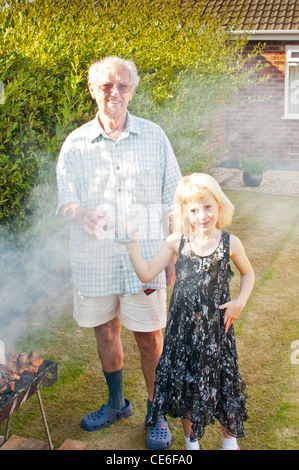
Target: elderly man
column 112, row 169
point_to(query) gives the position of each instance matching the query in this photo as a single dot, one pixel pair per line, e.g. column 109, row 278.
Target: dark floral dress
column 198, row 373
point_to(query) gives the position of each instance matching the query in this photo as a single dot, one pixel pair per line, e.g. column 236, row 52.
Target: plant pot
column 252, row 180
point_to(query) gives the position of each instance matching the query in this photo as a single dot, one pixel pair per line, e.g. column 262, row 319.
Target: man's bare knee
column 107, row 332
column 149, row 342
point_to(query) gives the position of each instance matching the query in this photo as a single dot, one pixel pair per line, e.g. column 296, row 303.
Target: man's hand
column 93, row 220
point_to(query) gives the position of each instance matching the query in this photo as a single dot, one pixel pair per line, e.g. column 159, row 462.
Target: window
column 292, row 83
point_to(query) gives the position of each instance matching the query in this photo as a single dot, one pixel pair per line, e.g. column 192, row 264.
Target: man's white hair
column 96, row 68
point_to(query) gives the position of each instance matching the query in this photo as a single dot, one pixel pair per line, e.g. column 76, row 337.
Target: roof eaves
column 270, row 35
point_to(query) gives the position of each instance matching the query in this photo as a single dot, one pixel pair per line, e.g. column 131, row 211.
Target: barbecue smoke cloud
column 34, row 268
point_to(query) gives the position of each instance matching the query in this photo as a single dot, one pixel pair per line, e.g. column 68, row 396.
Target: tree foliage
column 189, row 67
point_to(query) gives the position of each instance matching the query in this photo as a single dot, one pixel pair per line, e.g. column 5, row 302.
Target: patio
column 278, row 182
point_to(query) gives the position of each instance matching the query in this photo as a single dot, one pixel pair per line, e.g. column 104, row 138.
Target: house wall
column 259, row 129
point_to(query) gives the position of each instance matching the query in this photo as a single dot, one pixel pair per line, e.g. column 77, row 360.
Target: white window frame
column 290, row 61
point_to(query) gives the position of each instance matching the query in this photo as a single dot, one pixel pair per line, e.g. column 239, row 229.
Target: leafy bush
column 189, row 69
column 254, row 166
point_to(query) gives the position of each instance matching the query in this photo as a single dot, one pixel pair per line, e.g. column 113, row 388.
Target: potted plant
column 253, row 169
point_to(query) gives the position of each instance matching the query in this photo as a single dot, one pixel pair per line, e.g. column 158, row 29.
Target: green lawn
column 268, row 226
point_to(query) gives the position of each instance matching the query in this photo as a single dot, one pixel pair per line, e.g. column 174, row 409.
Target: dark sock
column 115, row 388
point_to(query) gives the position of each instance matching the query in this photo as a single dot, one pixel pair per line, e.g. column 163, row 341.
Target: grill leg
column 44, row 420
column 7, row 428
column 5, row 438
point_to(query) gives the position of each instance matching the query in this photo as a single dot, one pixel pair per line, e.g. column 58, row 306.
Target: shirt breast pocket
column 145, row 186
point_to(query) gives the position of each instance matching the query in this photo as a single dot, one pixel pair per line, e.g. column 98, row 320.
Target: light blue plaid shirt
column 131, row 179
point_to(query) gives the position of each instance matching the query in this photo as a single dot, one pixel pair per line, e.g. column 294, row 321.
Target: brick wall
column 258, row 129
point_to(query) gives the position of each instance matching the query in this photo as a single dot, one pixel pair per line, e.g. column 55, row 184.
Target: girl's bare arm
column 247, row 277
column 147, row 271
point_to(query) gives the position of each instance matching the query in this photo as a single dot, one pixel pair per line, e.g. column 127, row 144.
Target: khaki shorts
column 137, row 312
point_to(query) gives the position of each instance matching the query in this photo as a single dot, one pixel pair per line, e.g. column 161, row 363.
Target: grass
column 268, row 226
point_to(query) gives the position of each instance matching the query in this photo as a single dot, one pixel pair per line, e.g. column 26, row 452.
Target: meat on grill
column 14, row 367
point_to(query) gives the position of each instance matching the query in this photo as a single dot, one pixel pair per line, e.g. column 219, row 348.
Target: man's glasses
column 109, row 87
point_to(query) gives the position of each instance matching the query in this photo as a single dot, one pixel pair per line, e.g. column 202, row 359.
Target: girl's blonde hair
column 194, row 187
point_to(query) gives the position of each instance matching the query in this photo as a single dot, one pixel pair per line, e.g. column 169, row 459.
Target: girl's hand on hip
column 233, row 310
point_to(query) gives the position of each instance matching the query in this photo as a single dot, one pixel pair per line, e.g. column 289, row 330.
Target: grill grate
column 28, row 384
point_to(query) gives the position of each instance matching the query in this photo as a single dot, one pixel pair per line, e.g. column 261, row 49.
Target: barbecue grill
column 28, row 384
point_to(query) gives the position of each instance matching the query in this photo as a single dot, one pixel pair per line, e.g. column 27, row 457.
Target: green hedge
column 189, row 70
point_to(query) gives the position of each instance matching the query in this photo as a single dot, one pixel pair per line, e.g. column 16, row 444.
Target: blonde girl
column 197, row 378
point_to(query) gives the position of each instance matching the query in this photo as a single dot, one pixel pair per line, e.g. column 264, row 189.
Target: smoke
column 34, row 267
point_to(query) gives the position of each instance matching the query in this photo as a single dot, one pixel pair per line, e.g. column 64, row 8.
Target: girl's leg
column 228, row 442
column 187, row 431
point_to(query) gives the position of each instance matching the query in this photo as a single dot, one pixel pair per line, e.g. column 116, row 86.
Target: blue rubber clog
column 158, row 437
column 105, row 416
